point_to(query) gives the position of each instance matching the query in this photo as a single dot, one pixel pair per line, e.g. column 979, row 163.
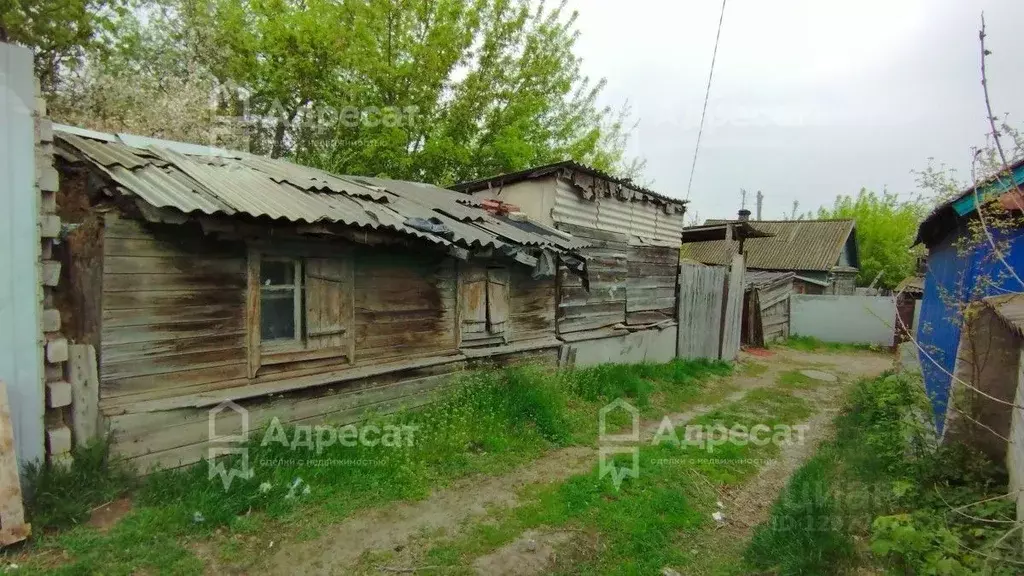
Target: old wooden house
column 200, row 275
column 630, row 312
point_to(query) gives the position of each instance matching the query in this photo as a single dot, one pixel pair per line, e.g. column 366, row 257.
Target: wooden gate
column 710, row 310
column 700, row 311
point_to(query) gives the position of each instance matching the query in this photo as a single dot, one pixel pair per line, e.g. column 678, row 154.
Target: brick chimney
column 744, row 215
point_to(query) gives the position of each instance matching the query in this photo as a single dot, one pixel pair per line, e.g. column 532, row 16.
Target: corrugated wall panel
column 644, row 223
column 571, row 209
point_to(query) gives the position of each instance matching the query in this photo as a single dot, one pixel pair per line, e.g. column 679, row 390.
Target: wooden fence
column 710, row 310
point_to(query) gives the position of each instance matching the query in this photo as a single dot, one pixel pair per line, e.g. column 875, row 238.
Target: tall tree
column 433, row 90
column 886, row 228
column 58, row 31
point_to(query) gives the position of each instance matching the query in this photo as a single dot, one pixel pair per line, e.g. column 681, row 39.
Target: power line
column 707, row 93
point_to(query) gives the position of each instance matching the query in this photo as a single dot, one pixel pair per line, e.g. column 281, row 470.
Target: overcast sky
column 811, row 98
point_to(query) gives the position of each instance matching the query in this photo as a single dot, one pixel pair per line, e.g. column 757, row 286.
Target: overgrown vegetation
column 923, row 509
column 487, row 422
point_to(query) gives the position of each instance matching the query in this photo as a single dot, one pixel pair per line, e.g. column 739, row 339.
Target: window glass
column 277, row 272
column 277, row 315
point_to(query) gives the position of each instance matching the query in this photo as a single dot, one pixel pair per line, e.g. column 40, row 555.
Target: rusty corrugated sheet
column 797, row 245
column 193, row 178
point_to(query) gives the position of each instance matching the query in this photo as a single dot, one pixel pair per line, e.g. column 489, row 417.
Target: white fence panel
column 844, row 319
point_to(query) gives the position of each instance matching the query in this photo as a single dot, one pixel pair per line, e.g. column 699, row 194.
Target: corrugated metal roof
column 629, row 190
column 183, row 177
column 796, row 245
column 1010, row 308
column 763, row 278
column 911, row 285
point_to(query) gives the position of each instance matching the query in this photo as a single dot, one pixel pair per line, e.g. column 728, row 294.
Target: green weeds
column 487, row 422
column 884, row 481
column 812, row 344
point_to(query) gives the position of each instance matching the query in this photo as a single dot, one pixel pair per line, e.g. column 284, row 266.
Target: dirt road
column 404, row 531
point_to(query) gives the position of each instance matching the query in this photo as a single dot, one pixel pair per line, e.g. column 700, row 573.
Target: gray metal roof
column 195, row 179
column 1010, row 308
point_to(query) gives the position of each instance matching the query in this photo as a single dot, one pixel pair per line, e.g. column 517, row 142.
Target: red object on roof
column 498, row 207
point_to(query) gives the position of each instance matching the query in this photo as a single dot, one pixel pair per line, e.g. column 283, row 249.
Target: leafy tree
column 886, row 228
column 439, row 91
column 58, row 31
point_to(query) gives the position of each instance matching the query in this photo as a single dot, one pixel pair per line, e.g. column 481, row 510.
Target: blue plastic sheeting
column 960, row 276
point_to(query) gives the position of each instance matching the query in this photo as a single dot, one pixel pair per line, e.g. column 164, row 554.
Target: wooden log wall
column 173, row 311
column 173, row 335
column 405, row 304
column 605, row 303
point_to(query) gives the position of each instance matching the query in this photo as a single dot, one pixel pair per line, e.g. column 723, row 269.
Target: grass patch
column 812, row 344
column 795, row 379
column 487, row 422
column 753, row 369
column 883, row 481
column 650, row 521
column 63, row 496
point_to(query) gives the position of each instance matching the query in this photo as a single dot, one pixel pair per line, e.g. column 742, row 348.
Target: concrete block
column 44, row 130
column 48, row 202
column 40, row 106
column 58, row 394
column 51, row 320
column 49, row 226
column 58, row 440
column 49, row 180
column 51, row 272
column 63, row 461
column 57, row 350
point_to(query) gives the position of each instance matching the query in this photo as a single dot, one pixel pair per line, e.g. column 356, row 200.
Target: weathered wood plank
column 170, row 299
column 178, row 362
column 700, row 311
column 150, row 350
column 231, row 374
column 187, row 265
column 121, row 317
column 113, row 336
column 176, row 282
column 732, row 323
column 83, row 376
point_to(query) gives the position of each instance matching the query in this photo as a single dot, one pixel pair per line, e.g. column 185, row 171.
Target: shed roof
column 947, row 215
column 1010, row 309
column 794, row 245
column 765, row 278
column 195, row 179
column 628, row 190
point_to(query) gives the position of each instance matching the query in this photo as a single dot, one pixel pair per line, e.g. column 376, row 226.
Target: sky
column 810, row 98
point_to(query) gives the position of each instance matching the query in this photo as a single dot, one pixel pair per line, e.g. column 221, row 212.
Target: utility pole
column 760, row 200
column 796, row 206
column 743, row 199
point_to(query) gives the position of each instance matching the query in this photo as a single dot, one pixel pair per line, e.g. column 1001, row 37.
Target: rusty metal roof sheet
column 795, row 245
column 196, row 179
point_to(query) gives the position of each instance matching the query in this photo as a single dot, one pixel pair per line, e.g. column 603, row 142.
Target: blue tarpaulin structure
column 960, row 272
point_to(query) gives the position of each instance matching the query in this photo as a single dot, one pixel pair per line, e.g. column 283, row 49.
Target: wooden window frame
column 284, row 351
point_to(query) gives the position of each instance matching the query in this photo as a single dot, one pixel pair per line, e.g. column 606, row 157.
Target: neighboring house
column 629, row 312
column 822, row 254
column 962, row 268
column 909, row 293
column 202, row 276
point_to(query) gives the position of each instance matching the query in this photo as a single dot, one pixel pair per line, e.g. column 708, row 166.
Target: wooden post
column 83, row 374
